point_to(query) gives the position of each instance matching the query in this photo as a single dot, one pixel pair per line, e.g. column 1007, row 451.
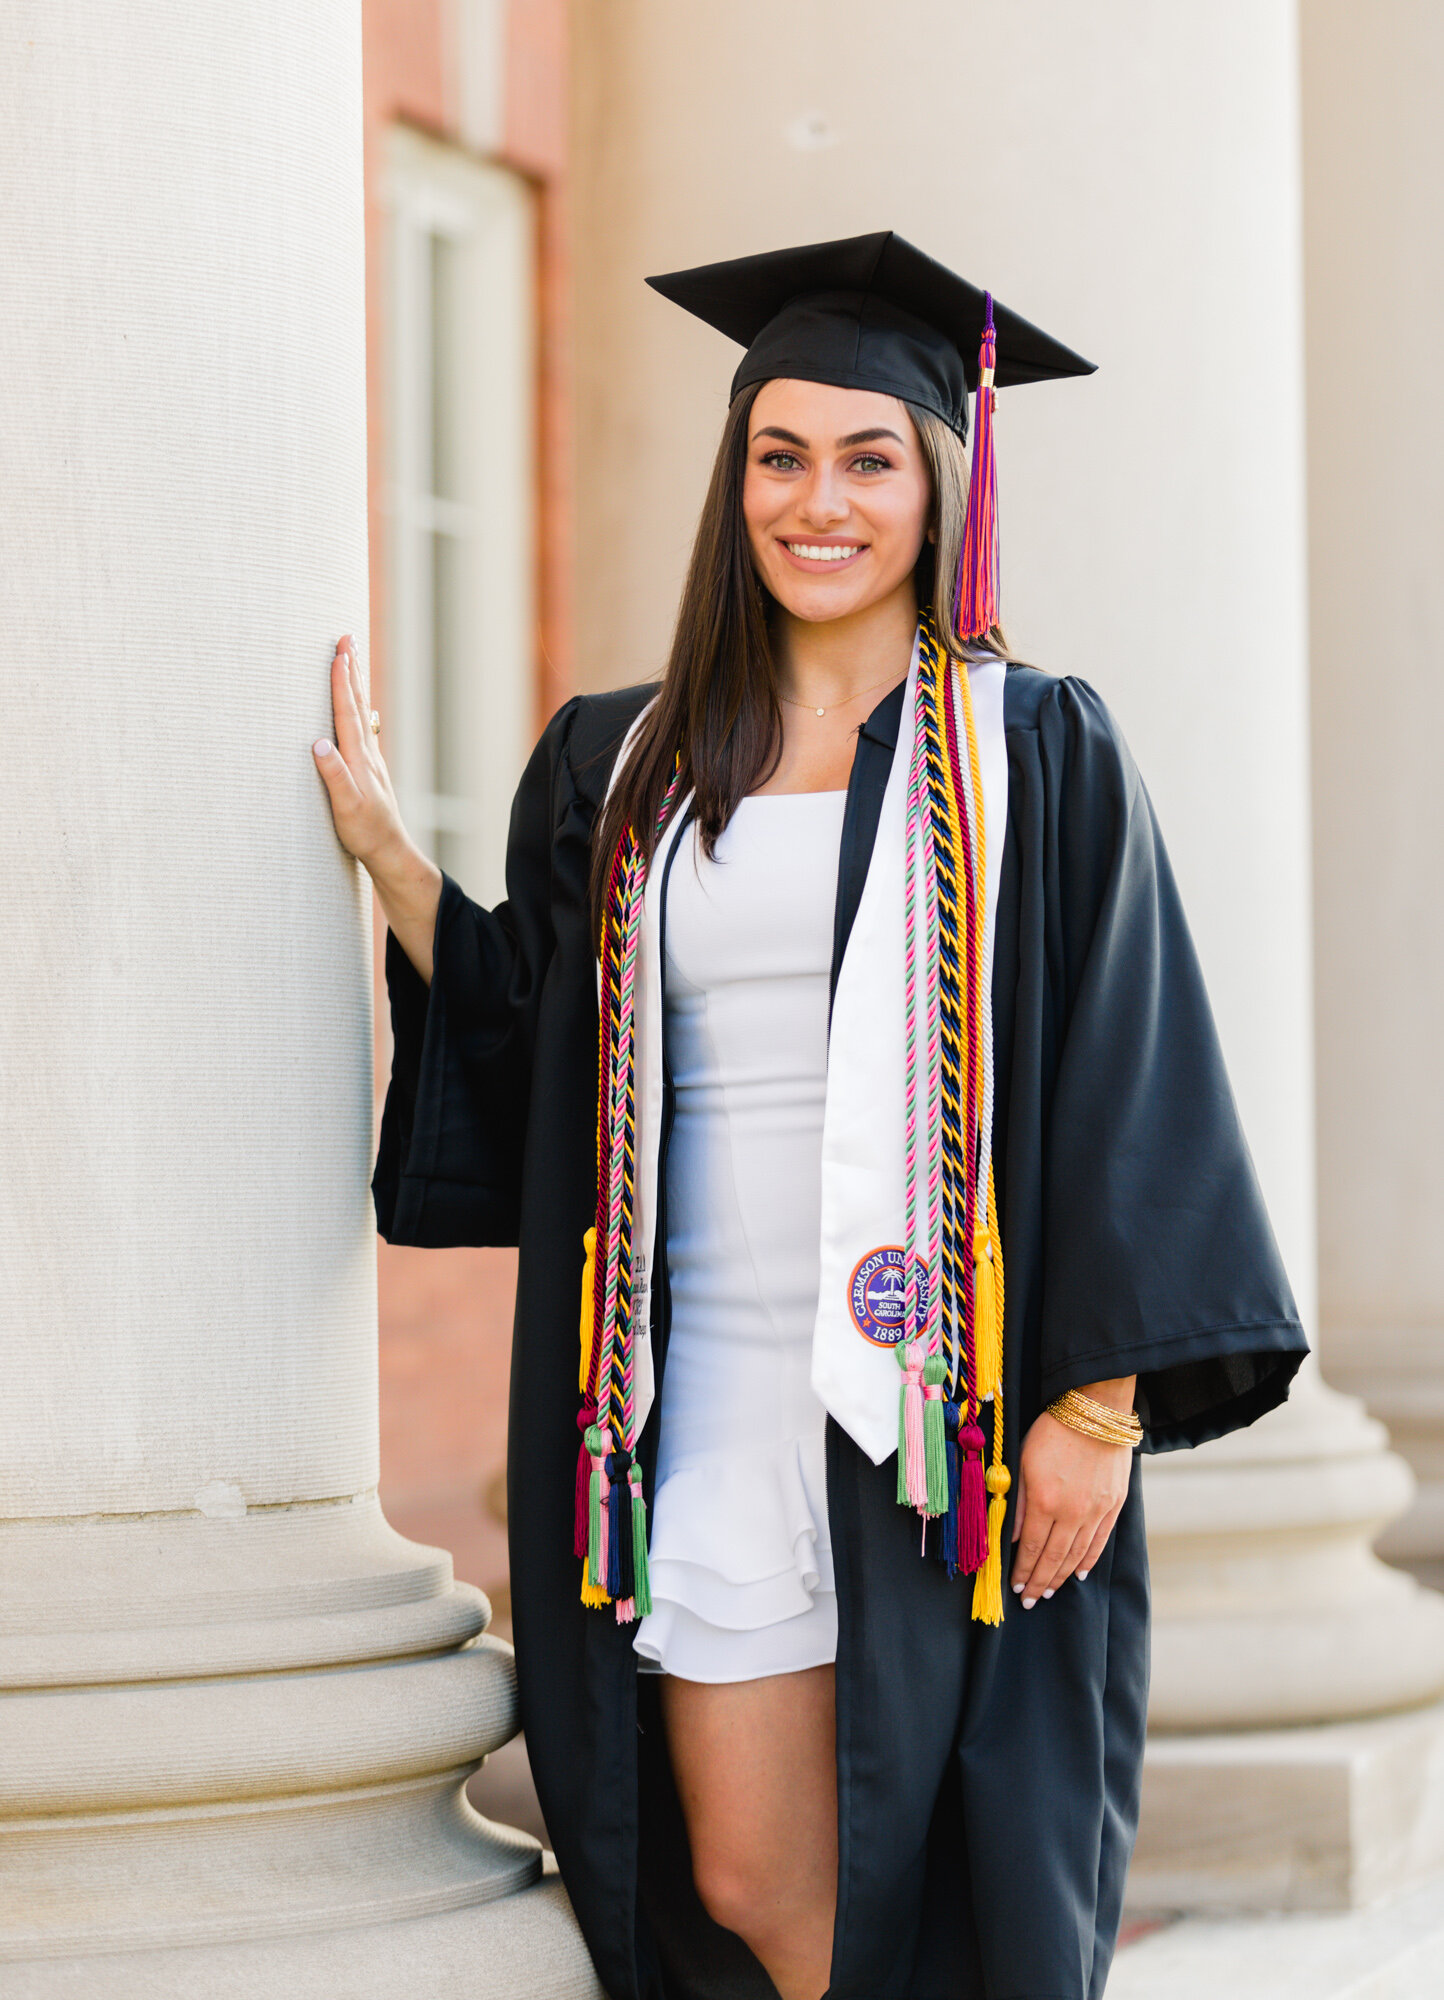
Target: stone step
column 525, row 1947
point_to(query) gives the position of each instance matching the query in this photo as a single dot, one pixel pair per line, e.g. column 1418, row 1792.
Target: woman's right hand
column 363, row 801
column 368, row 819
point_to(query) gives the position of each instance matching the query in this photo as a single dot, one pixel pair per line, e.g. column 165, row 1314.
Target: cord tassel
column 581, row 1528
column 612, row 1560
column 935, row 1444
column 587, row 1415
column 620, row 1502
column 988, row 1589
column 912, row 1475
column 588, row 1313
column 594, row 1569
column 620, row 1472
column 599, row 1444
column 972, row 1501
column 948, row 1544
column 976, row 596
column 641, row 1573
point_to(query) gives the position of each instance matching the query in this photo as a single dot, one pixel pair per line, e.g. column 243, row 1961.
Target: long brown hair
column 718, row 708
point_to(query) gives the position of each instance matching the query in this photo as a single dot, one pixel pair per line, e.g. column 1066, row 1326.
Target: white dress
column 741, row 1562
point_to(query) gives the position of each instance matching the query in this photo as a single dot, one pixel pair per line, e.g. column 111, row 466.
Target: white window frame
column 485, row 215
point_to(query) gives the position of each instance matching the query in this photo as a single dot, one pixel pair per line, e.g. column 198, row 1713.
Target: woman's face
column 836, row 496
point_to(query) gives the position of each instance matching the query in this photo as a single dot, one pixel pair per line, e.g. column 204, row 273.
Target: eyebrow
column 844, row 444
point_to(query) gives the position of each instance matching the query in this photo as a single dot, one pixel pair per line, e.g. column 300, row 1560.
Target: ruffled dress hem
column 741, row 1572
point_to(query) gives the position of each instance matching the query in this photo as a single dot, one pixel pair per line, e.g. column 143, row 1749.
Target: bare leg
column 756, row 1770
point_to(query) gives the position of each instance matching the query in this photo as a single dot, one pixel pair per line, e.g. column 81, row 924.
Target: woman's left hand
column 1071, row 1489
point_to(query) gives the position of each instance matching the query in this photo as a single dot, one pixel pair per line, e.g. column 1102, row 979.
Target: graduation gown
column 988, row 1777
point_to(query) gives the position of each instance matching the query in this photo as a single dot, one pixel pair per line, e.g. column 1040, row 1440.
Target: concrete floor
column 1393, row 1951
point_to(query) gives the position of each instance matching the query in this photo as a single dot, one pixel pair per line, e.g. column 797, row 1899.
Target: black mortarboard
column 871, row 312
column 867, row 312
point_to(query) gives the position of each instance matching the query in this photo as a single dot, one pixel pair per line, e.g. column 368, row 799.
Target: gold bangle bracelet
column 1104, row 1434
column 1100, row 1413
column 1093, row 1419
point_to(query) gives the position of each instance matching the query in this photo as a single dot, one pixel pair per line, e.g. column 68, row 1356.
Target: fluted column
column 239, row 1710
column 1374, row 214
column 1270, row 1606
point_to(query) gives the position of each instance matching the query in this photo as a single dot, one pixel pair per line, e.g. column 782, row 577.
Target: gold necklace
column 793, row 702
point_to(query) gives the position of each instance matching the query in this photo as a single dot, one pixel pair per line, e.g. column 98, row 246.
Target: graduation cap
column 874, row 312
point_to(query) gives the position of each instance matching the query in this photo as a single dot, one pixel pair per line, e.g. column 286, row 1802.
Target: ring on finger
column 375, row 722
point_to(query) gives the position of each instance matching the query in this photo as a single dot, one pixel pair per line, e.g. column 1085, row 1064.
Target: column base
column 251, row 1730
column 1270, row 1608
column 1399, row 1373
column 521, row 1948
column 82, row 1884
column 1326, row 1818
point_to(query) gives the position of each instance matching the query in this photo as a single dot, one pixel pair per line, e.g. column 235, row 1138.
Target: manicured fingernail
column 1017, row 1587
column 1047, row 1593
column 321, row 747
column 1082, row 1576
column 1029, row 1602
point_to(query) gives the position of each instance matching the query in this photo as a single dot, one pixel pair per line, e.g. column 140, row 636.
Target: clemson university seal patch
column 877, row 1295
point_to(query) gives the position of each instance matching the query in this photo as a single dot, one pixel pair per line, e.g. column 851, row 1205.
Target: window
column 460, row 501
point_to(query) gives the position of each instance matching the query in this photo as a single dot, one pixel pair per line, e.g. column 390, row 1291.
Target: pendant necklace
column 792, row 701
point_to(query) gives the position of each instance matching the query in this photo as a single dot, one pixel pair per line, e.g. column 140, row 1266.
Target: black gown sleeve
column 1159, row 1260
column 448, row 1170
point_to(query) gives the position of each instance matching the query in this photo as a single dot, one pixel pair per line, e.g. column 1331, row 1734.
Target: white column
column 239, row 1709
column 1374, row 221
column 1127, row 175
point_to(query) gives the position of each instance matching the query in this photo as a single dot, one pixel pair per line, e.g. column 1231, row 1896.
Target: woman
column 917, row 1006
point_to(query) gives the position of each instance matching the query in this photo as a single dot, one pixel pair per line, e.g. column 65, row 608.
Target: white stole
column 863, row 1199
column 862, row 1131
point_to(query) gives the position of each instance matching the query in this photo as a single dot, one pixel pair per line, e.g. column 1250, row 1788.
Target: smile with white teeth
column 823, row 552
